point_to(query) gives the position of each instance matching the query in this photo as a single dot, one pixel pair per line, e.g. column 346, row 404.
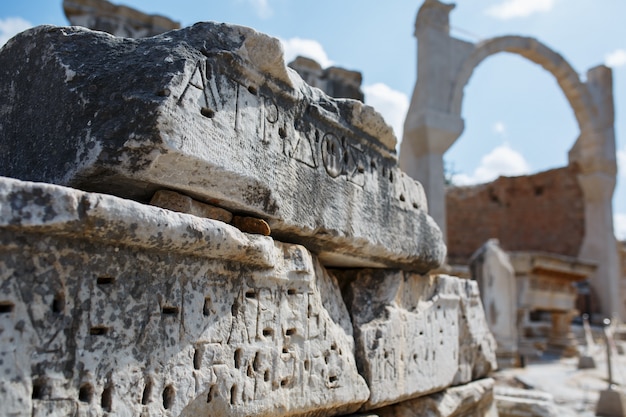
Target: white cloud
column 619, row 225
column 262, row 8
column 305, row 47
column 392, row 104
column 11, row 26
column 502, row 160
column 499, row 128
column 615, row 59
column 510, row 9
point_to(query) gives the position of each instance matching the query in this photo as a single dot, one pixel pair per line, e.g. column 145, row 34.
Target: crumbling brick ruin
column 544, row 212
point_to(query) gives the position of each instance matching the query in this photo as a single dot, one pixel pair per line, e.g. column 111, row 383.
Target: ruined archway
column 567, row 78
column 434, row 123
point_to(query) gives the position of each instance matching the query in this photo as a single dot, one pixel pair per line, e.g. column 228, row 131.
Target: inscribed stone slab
column 212, row 111
column 111, row 307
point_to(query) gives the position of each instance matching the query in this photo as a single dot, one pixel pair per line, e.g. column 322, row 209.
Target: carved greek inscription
column 332, row 155
column 231, row 105
column 304, row 150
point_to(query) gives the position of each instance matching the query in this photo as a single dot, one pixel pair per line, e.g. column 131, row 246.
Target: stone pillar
column 561, row 338
column 427, row 137
column 431, row 127
column 594, row 152
column 599, row 243
column 492, row 269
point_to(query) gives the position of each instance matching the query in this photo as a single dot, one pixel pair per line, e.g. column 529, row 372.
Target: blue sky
column 517, row 119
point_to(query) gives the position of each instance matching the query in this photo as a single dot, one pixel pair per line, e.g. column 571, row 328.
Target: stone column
column 599, row 243
column 595, row 153
column 427, row 136
column 431, row 127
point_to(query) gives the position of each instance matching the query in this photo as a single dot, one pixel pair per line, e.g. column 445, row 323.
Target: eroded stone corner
column 415, row 334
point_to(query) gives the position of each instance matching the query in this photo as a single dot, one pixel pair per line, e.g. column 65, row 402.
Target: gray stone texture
column 334, row 81
column 474, row 399
column 112, row 307
column 515, row 402
column 416, row 334
column 212, row 111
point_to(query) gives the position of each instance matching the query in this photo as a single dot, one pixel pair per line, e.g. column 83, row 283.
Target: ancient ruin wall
column 552, row 201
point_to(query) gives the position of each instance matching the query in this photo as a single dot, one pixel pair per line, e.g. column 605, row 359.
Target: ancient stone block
column 112, row 307
column 416, row 334
column 212, row 111
column 514, row 402
column 491, row 268
column 474, row 399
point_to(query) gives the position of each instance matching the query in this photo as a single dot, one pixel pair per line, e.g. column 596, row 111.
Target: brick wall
column 540, row 212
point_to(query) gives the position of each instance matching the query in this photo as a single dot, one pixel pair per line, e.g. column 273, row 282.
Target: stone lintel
column 211, row 111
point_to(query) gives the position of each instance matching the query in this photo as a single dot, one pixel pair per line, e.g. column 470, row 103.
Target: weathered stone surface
column 474, row 399
column 514, row 402
column 541, row 212
column 111, row 307
column 334, row 81
column 116, row 20
column 416, row 334
column 172, row 200
column 213, row 112
column 491, row 268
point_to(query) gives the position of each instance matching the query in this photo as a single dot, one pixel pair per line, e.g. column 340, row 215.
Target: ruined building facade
column 566, row 212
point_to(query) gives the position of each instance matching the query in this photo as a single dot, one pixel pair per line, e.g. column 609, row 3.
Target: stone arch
column 576, row 93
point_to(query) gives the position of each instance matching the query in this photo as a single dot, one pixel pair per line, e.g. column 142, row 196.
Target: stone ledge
column 212, row 111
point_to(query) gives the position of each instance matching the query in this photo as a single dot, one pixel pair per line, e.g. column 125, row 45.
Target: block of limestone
column 211, row 111
column 112, row 307
column 474, row 399
column 416, row 334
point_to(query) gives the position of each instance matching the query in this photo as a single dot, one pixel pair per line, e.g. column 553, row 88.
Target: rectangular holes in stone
column 105, row 280
column 291, row 331
column 6, row 307
column 251, row 294
column 85, row 393
column 58, row 303
column 210, row 394
column 237, row 358
column 170, row 310
column 206, row 309
column 233, row 394
column 99, row 330
column 40, row 389
column 147, row 392
column 106, row 400
column 197, row 357
column 168, row 397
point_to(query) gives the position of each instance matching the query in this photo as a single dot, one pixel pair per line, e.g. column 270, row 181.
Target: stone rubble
column 219, row 297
